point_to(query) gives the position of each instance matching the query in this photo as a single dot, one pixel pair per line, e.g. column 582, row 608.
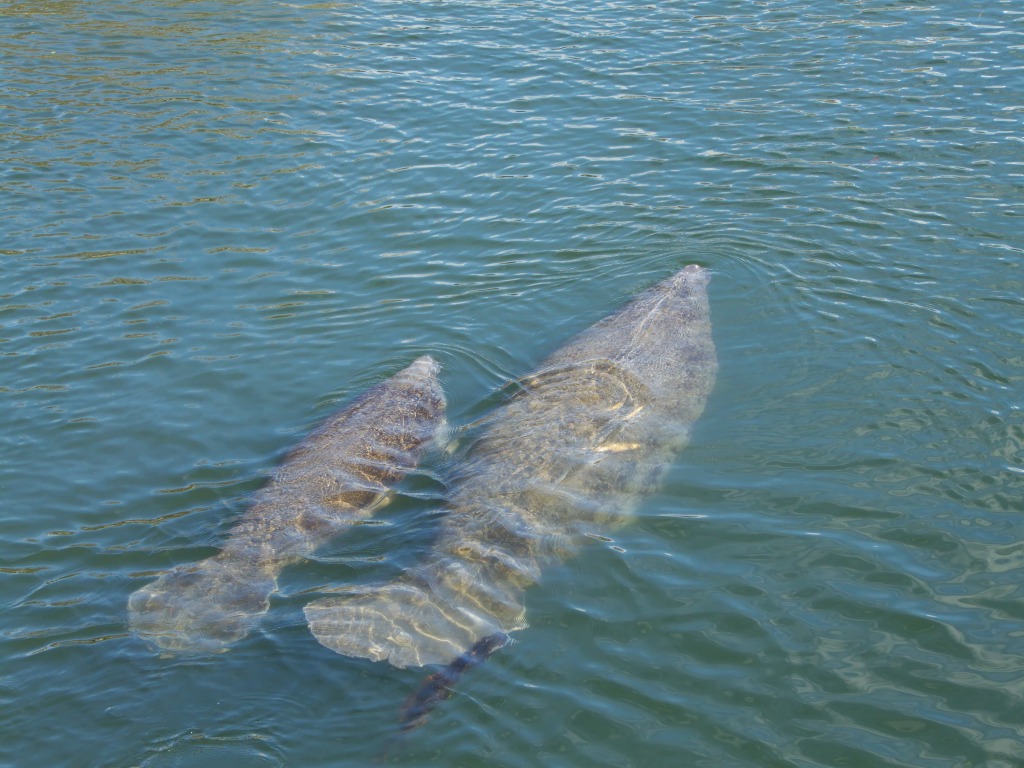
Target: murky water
column 221, row 221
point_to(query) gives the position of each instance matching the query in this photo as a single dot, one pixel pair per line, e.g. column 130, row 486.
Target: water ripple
column 220, row 225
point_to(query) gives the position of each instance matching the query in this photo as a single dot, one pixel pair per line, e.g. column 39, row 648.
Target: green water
column 219, row 221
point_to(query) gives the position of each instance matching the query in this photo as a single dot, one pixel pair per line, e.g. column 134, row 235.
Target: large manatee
column 334, row 478
column 592, row 430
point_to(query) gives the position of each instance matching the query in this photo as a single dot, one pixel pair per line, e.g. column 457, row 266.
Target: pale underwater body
column 594, row 429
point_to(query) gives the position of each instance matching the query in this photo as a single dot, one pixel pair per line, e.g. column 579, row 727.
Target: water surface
column 223, row 220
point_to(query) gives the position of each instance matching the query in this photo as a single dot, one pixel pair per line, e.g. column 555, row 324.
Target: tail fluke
column 402, row 622
column 201, row 607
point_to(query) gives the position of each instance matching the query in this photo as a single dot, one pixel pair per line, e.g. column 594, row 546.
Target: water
column 222, row 220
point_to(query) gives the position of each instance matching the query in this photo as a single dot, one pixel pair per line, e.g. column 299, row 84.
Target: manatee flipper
column 402, row 622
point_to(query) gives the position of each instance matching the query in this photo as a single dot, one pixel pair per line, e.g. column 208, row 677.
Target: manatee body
column 592, row 431
column 334, row 478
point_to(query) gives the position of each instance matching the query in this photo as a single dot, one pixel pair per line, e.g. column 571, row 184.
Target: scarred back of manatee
column 592, row 430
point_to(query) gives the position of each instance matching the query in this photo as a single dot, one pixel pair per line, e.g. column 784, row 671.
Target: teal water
column 222, row 220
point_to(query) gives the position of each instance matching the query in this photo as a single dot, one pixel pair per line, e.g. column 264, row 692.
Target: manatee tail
column 403, row 622
column 201, row 607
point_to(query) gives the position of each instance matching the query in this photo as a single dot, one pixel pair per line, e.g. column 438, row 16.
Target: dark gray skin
column 593, row 430
column 336, row 477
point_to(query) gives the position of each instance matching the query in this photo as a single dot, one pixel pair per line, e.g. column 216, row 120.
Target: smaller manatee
column 334, row 478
